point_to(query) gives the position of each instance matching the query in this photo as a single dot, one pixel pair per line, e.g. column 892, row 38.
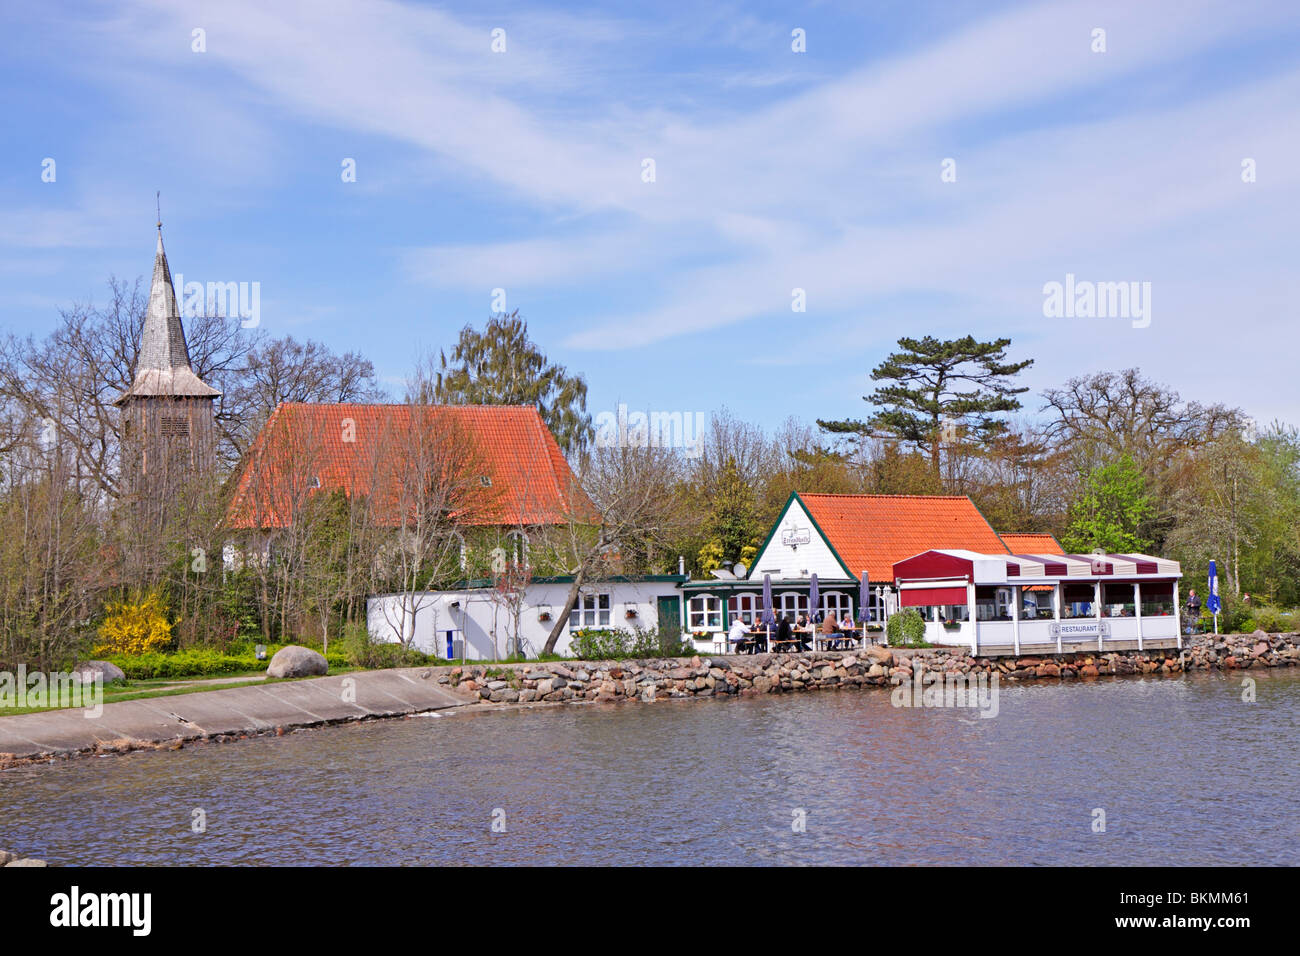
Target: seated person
column 828, row 630
column 846, row 623
column 738, row 634
column 783, row 637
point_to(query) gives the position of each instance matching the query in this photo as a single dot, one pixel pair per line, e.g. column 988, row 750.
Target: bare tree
column 636, row 510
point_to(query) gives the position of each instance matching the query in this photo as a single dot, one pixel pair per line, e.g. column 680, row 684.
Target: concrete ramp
column 260, row 707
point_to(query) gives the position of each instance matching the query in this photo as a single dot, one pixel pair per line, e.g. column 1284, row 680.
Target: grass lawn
column 173, row 687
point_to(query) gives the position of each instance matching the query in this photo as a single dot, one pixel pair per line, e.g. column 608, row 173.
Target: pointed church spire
column 162, row 367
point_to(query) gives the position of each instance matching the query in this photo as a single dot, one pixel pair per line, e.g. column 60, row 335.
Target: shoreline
column 223, row 716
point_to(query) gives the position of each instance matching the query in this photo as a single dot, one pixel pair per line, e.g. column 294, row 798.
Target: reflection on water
column 1185, row 771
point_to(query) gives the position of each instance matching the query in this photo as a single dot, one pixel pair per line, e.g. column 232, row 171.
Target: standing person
column 1193, row 611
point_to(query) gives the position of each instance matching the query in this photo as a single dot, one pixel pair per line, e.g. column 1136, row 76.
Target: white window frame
column 792, row 602
column 591, row 610
column 843, row 604
column 706, row 616
column 748, row 607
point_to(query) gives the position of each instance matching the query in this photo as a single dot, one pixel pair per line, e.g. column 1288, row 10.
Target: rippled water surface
column 1185, row 771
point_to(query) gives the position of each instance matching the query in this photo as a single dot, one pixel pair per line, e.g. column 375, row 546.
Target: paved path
column 386, row 693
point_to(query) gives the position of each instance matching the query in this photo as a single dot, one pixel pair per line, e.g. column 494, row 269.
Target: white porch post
column 1015, row 617
column 970, row 614
column 1096, row 602
column 1058, row 593
column 1137, row 610
column 1178, row 616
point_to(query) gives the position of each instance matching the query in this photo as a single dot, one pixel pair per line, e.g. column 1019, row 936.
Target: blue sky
column 774, row 170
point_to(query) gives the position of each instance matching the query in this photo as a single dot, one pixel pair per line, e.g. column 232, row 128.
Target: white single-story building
column 481, row 622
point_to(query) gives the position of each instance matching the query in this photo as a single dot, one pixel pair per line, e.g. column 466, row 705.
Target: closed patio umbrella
column 768, row 618
column 864, row 604
column 814, row 615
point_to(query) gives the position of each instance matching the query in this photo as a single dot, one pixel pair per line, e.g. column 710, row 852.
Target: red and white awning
column 947, row 569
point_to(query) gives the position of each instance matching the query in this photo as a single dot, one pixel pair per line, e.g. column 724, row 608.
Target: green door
column 670, row 617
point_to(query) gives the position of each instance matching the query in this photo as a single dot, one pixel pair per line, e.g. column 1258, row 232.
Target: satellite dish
column 740, row 569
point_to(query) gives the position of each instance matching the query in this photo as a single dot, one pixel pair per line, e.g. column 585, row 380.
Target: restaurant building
column 841, row 539
column 1043, row 603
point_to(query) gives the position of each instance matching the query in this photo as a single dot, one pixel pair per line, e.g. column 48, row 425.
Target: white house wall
column 486, row 624
column 796, row 551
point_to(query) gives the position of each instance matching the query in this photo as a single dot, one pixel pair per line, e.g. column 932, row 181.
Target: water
column 1185, row 771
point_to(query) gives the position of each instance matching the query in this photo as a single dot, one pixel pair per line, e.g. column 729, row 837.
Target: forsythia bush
column 135, row 627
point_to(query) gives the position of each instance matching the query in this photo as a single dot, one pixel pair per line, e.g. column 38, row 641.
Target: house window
column 745, row 607
column 704, row 613
column 1076, row 600
column 992, row 603
column 1035, row 602
column 1157, row 599
column 1117, row 600
column 792, row 604
column 838, row 604
column 875, row 607
column 517, row 548
column 592, row 610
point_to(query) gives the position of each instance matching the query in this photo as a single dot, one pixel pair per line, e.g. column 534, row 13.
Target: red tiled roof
column 871, row 532
column 353, row 448
column 1031, row 542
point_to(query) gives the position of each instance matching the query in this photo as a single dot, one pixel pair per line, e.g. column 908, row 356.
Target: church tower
column 168, row 432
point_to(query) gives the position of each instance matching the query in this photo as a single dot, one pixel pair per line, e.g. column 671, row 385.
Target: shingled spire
column 163, row 366
column 168, row 423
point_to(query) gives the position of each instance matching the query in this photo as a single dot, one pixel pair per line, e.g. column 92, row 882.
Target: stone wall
column 748, row 675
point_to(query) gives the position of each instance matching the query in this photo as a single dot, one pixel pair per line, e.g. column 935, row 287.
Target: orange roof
column 871, row 532
column 496, row 464
column 1031, row 542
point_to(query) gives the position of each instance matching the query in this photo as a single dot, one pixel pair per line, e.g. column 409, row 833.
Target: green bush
column 607, row 644
column 205, row 662
column 360, row 650
column 906, row 627
column 1273, row 619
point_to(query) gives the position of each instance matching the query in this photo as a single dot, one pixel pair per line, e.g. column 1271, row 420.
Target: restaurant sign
column 1067, row 630
column 792, row 535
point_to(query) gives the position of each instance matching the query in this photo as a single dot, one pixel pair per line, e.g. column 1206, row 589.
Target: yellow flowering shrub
column 135, row 627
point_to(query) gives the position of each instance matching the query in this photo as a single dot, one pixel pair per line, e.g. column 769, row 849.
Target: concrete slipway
column 238, row 710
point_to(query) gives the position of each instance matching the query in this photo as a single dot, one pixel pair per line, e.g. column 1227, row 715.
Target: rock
column 497, row 684
column 881, row 655
column 87, row 670
column 6, row 857
column 537, row 675
column 1261, row 648
column 26, row 863
column 296, row 661
column 1087, row 670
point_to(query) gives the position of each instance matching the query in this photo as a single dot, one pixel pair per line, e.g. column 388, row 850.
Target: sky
column 912, row 167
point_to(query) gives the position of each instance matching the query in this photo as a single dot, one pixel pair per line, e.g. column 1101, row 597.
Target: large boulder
column 85, row 672
column 294, row 661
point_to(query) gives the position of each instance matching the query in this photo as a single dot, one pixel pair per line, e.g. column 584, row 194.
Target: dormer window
column 485, row 481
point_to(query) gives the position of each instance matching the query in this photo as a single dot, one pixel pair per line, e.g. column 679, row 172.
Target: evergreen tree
column 502, row 366
column 924, row 393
